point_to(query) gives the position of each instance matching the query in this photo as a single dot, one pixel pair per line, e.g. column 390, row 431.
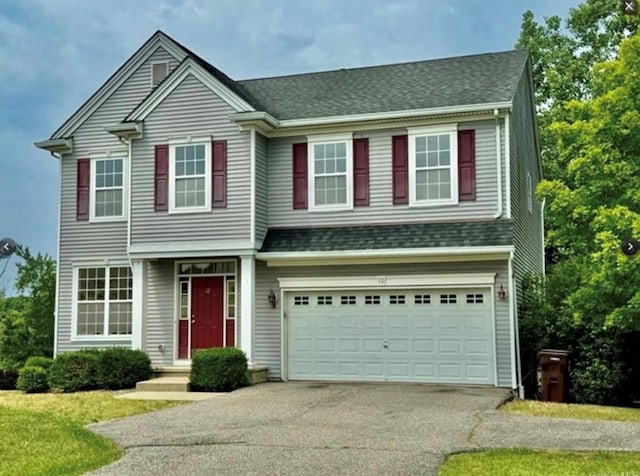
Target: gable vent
column 159, row 71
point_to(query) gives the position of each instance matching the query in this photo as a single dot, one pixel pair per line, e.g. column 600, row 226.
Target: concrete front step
column 164, row 384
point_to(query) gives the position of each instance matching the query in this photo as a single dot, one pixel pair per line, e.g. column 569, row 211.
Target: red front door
column 207, row 314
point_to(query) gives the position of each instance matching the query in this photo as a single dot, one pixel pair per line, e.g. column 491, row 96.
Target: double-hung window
column 433, row 165
column 190, row 177
column 331, row 177
column 103, row 302
column 108, row 194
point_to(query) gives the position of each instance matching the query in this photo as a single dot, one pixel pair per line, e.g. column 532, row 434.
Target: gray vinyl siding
column 381, row 208
column 81, row 240
column 191, row 110
column 261, row 188
column 527, row 231
column 267, row 320
column 159, row 312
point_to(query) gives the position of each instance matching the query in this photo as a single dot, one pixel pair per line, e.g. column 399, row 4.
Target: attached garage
column 404, row 334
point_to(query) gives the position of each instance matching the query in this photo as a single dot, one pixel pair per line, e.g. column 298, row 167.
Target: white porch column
column 137, row 312
column 247, row 304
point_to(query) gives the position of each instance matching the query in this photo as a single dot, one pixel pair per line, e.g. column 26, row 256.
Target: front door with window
column 207, row 312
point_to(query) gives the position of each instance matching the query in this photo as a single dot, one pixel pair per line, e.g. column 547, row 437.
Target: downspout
column 544, row 261
column 516, row 381
column 498, row 213
column 507, row 162
column 252, row 188
column 55, row 312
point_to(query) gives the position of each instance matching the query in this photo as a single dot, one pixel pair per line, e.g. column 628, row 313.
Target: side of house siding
column 529, row 247
column 82, row 241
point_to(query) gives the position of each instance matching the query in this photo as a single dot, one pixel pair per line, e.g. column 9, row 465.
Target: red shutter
column 161, row 179
column 219, row 174
column 299, row 176
column 467, row 165
column 82, row 189
column 361, row 172
column 400, row 165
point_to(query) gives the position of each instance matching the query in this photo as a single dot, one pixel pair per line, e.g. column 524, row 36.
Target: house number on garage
column 382, row 279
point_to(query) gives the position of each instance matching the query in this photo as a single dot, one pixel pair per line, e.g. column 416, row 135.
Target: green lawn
column 524, row 462
column 44, row 434
column 564, row 410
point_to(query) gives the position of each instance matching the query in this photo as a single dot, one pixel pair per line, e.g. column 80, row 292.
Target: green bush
column 39, row 361
column 218, row 370
column 32, row 379
column 8, row 378
column 74, row 371
column 119, row 367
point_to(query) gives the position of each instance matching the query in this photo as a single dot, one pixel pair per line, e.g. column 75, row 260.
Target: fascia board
column 115, row 81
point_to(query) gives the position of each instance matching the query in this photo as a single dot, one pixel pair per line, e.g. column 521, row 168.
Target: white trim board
column 389, row 282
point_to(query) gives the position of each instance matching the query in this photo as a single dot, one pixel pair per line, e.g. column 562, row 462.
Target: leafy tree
column 587, row 75
column 27, row 321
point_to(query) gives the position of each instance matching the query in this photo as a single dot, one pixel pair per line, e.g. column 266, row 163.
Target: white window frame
column 206, row 141
column 93, row 189
column 529, row 193
column 74, row 309
column 312, row 141
column 413, row 134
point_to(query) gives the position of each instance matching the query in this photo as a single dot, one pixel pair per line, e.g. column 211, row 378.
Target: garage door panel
column 372, row 345
column 348, row 345
column 404, row 336
column 423, row 345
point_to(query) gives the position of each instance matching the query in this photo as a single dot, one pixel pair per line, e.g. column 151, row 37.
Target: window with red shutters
column 361, row 172
column 466, row 165
column 161, row 179
column 400, row 166
column 300, row 176
column 82, row 189
column 219, row 174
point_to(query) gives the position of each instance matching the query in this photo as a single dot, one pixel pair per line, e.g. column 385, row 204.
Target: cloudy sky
column 55, row 53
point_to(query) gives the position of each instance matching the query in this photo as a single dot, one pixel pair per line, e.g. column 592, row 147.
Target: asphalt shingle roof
column 375, row 237
column 466, row 80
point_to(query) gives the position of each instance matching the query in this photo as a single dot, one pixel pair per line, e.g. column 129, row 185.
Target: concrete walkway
column 312, row 428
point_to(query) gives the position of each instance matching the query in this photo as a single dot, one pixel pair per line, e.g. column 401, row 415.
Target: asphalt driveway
column 305, row 428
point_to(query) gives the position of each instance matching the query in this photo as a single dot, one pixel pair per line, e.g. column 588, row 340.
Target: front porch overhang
column 191, row 250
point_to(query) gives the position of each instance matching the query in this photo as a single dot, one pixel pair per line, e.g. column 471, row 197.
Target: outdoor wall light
column 502, row 293
column 272, row 299
column 161, row 348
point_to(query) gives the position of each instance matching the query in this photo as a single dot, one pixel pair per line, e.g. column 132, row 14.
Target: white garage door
column 435, row 335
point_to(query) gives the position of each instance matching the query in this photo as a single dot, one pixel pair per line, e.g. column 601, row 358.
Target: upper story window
column 331, row 176
column 107, row 184
column 190, row 177
column 433, row 165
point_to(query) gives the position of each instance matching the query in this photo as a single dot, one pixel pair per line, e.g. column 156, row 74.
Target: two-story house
column 367, row 224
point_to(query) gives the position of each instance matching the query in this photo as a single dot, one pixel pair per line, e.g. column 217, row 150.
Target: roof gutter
column 268, row 123
column 56, row 146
